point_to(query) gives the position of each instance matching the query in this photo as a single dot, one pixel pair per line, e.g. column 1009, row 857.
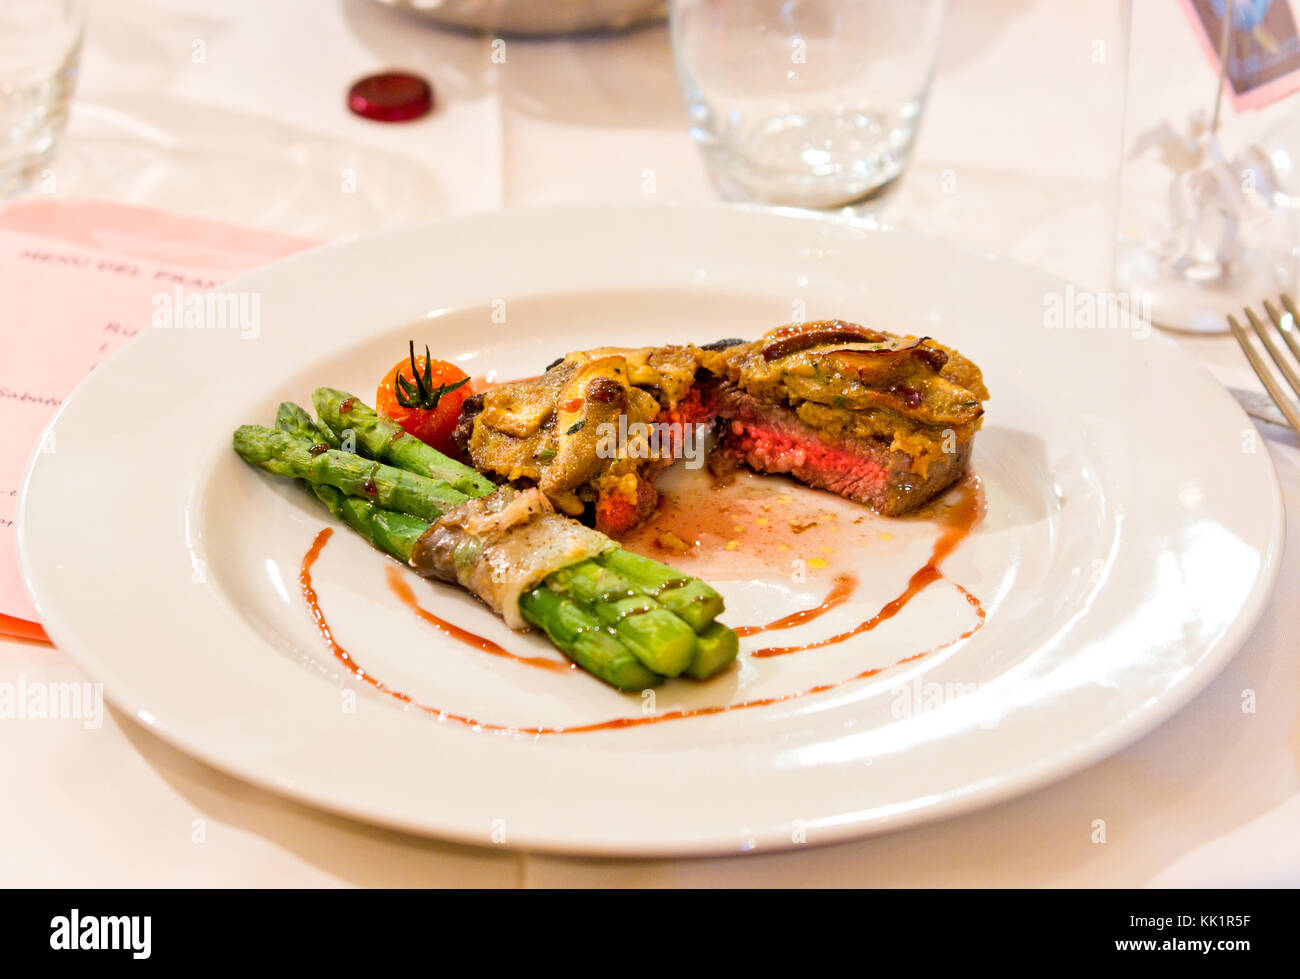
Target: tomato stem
column 419, row 392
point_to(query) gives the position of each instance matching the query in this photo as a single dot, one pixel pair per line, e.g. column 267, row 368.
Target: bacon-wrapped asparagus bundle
column 530, row 564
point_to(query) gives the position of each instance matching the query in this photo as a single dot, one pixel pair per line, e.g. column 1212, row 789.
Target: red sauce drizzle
column 400, row 587
column 958, row 523
column 842, row 589
column 309, row 596
column 961, row 519
column 678, row 715
column 344, row 657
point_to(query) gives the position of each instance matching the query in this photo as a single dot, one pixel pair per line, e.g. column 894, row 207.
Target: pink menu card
column 77, row 280
column 1263, row 53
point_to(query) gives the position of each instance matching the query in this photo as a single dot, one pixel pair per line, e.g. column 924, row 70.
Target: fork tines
column 1286, row 325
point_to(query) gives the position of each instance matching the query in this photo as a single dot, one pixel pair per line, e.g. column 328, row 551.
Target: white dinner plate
column 1132, row 535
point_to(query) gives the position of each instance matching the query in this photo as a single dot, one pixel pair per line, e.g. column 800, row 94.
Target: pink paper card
column 1263, row 49
column 77, row 280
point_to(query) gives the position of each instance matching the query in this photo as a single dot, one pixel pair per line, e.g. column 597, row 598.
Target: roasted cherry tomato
column 424, row 396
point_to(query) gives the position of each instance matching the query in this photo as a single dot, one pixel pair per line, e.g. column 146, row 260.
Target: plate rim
column 1047, row 770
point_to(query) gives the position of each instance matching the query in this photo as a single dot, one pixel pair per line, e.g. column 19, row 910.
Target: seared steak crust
column 771, row 438
column 881, row 419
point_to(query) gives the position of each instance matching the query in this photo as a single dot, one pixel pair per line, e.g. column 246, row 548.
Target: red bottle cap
column 391, row 96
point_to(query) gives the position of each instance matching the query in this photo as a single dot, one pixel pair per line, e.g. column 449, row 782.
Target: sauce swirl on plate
column 399, row 586
column 959, row 520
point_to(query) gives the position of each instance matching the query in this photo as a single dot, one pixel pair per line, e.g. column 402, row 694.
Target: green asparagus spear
column 715, row 648
column 659, row 639
column 299, row 423
column 392, row 489
column 379, row 438
column 584, row 640
column 690, row 598
column 391, row 532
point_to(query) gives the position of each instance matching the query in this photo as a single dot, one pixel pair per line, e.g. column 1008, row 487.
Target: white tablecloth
column 235, row 111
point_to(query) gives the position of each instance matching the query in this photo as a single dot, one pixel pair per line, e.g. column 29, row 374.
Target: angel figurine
column 1212, row 200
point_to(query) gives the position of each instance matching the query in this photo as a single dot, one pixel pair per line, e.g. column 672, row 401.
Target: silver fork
column 1287, row 326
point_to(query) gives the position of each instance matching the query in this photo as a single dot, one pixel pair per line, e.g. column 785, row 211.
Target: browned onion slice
column 800, row 336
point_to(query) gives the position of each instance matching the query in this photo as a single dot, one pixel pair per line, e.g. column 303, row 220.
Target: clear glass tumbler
column 40, row 44
column 812, row 103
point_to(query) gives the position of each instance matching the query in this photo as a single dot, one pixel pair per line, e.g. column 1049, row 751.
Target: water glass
column 811, row 103
column 40, row 44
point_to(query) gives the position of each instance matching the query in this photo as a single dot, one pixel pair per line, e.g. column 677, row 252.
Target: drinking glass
column 40, row 43
column 811, row 103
